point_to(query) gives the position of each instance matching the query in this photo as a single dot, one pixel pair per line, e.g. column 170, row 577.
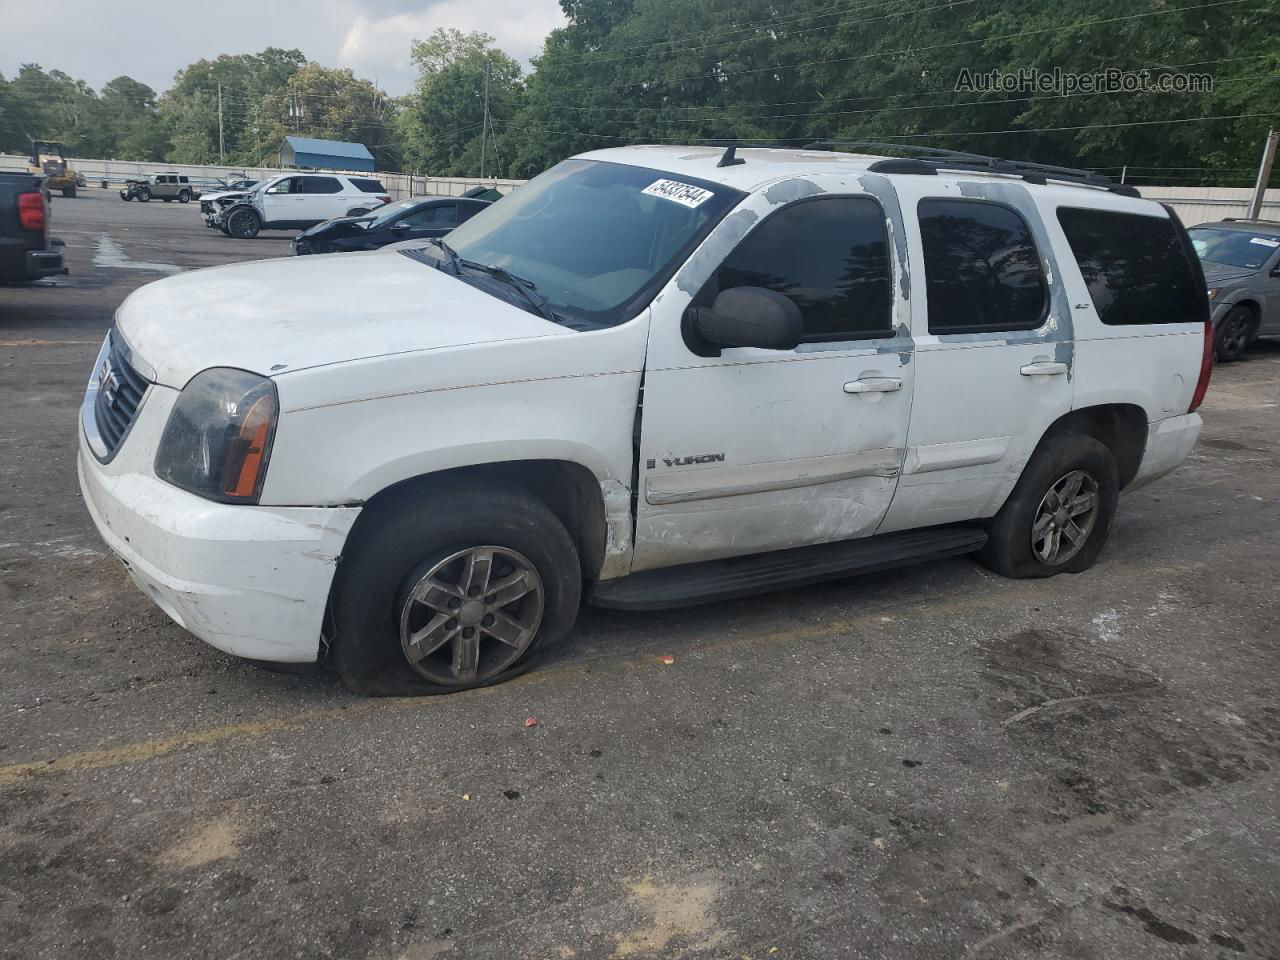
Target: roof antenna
column 730, row 159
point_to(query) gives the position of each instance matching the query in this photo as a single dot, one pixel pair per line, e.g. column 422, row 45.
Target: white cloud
column 371, row 37
column 383, row 42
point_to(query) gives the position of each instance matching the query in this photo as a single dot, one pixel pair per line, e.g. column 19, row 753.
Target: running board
column 694, row 583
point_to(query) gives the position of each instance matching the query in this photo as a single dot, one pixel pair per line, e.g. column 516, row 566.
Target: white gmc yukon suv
column 653, row 376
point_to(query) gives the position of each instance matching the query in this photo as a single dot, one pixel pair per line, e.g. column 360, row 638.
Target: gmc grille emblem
column 108, row 384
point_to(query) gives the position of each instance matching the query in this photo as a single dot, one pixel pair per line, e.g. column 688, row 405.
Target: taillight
column 1206, row 369
column 31, row 211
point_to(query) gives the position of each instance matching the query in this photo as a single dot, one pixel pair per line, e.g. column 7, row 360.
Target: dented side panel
column 761, row 449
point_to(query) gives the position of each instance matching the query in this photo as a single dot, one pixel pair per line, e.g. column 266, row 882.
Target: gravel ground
column 927, row 763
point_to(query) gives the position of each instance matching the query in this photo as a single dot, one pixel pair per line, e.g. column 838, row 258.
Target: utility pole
column 222, row 142
column 1264, row 175
column 484, row 126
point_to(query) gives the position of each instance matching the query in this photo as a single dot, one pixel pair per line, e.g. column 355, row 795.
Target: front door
column 994, row 358
column 755, row 450
column 284, row 201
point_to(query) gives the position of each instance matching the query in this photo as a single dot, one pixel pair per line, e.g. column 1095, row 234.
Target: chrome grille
column 120, row 389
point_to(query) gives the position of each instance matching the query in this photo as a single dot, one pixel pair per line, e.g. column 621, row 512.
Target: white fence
column 1203, row 204
column 399, row 185
column 1193, row 204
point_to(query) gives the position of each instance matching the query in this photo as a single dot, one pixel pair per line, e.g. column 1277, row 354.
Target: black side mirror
column 748, row 317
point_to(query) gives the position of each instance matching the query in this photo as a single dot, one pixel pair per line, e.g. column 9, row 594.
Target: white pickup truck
column 652, row 376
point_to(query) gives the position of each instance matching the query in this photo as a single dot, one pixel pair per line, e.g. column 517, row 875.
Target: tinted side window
column 830, row 257
column 982, row 271
column 468, row 210
column 368, row 186
column 322, row 185
column 1137, row 268
column 439, row 215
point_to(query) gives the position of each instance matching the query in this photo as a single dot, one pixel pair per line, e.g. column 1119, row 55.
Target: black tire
column 1234, row 334
column 243, row 224
column 69, row 191
column 1009, row 550
column 126, row 196
column 184, row 196
column 167, row 199
column 401, row 539
column 357, row 212
column 144, row 195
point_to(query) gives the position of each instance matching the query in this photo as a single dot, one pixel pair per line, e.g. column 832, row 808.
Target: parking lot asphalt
column 928, row 763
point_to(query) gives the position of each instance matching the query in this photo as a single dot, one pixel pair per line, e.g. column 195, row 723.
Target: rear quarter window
column 1138, row 268
column 368, row 186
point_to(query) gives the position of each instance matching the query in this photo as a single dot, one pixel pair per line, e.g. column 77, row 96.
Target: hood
column 1222, row 272
column 273, row 317
column 222, row 194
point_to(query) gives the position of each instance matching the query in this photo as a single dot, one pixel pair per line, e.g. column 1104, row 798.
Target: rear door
column 994, row 361
column 324, row 199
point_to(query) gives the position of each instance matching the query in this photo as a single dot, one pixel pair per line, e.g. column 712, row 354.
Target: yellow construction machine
column 47, row 161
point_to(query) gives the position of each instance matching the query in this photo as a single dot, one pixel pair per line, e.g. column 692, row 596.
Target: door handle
column 1044, row 368
column 873, row 385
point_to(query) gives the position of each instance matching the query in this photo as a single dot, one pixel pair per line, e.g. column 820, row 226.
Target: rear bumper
column 252, row 581
column 1169, row 442
column 19, row 263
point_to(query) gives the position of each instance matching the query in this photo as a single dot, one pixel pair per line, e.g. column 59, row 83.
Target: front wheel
column 1234, row 333
column 144, row 195
column 451, row 591
column 244, row 224
column 1058, row 516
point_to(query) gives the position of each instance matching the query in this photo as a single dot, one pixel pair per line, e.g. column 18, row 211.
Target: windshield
column 392, row 212
column 596, row 239
column 1235, row 248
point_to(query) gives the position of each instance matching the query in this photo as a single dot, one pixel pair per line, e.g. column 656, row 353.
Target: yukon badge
column 686, row 461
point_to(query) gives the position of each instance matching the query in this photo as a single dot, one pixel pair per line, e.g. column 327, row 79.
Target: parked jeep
column 1241, row 261
column 653, row 376
column 162, row 186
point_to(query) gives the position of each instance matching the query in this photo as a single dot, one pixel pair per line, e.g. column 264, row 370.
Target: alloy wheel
column 1065, row 518
column 472, row 615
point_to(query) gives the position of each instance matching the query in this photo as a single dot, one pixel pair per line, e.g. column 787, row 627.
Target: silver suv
column 162, row 186
column 1241, row 260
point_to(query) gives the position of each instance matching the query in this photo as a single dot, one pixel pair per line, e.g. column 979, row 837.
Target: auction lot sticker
column 681, row 193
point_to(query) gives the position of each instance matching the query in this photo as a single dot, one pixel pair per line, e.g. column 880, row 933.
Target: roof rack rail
column 929, row 160
column 1249, row 220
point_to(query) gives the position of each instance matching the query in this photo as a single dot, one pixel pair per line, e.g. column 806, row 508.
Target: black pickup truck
column 26, row 250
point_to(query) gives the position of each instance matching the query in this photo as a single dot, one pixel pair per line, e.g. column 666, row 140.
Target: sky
column 98, row 40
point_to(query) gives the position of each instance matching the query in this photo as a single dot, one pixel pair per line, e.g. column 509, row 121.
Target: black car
column 417, row 219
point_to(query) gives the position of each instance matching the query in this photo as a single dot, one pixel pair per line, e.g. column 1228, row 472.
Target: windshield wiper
column 524, row 287
column 449, row 252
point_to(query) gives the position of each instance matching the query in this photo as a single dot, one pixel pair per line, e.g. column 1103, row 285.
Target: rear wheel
column 452, row 591
column 184, row 196
column 1234, row 334
column 1058, row 516
column 69, row 191
column 357, row 212
column 244, row 224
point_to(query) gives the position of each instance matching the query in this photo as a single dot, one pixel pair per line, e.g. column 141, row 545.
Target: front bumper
column 1168, row 443
column 252, row 581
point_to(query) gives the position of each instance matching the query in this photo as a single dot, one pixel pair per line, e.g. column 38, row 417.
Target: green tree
column 441, row 122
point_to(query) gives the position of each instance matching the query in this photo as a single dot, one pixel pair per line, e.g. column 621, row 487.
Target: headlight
column 218, row 438
column 1213, row 292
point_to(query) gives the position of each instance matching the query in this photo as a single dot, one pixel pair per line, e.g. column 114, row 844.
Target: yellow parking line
column 144, row 750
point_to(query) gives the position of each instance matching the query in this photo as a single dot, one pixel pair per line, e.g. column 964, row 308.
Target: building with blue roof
column 326, row 154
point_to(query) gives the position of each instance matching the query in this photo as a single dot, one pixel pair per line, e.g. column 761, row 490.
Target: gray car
column 1241, row 260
